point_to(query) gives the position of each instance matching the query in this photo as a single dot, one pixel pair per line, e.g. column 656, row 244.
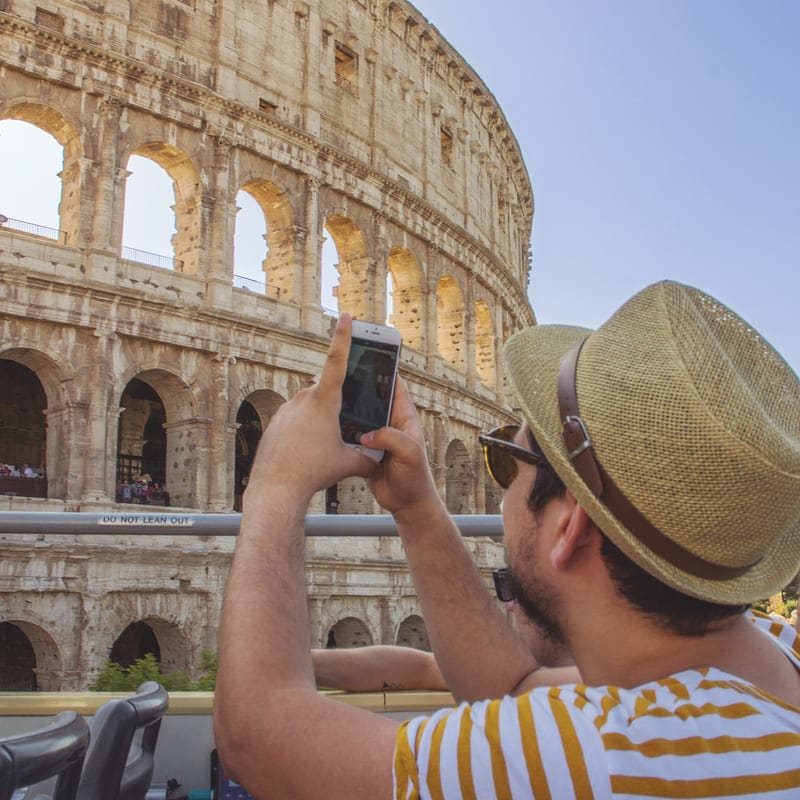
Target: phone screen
column 368, row 388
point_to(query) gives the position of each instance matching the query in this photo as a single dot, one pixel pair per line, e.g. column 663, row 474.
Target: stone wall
column 352, row 120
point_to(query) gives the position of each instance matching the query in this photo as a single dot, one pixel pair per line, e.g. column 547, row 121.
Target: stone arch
column 408, row 297
column 68, row 135
column 485, row 357
column 450, row 321
column 458, row 478
column 186, row 181
column 34, row 644
column 177, row 448
column 252, row 417
column 153, row 634
column 352, row 294
column 413, row 633
column 280, row 261
column 55, row 421
column 349, row 632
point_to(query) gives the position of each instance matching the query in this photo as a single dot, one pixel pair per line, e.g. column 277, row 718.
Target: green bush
column 115, row 678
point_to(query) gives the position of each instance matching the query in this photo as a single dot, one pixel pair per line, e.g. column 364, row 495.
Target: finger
column 404, row 414
column 403, row 446
column 335, row 367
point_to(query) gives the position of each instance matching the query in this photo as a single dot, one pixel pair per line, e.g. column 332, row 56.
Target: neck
column 626, row 648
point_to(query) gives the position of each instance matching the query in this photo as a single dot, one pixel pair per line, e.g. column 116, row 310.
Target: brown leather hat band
column 582, row 456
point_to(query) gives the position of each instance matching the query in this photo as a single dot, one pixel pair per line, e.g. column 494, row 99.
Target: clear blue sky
column 662, row 138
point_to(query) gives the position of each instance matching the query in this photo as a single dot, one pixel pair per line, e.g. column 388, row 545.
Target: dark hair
column 677, row 612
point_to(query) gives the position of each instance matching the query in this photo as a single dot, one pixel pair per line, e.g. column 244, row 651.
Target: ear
column 575, row 531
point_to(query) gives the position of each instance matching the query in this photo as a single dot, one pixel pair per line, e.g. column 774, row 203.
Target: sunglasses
column 500, row 454
column 502, row 584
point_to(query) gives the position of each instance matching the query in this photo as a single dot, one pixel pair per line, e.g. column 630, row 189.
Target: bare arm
column 374, row 669
column 385, row 667
column 466, row 627
column 266, row 699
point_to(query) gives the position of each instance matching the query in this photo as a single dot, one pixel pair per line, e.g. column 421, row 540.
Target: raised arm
column 267, row 708
column 477, row 651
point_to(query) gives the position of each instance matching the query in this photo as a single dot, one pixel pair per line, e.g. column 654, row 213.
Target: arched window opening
column 413, row 633
column 458, row 478
column 248, row 436
column 353, row 268
column 141, row 445
column 31, row 163
column 23, row 431
column 250, row 247
column 484, row 343
column 348, row 633
column 405, row 291
column 330, row 278
column 135, row 642
column 450, row 321
column 148, row 227
column 266, row 241
column 17, row 660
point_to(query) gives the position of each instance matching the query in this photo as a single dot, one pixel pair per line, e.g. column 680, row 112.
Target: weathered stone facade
column 348, row 119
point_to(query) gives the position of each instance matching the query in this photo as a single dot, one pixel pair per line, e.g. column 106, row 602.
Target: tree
column 115, row 678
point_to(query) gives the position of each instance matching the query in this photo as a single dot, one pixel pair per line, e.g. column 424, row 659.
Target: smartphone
column 368, row 388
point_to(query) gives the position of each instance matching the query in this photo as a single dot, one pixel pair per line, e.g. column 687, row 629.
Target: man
column 652, row 492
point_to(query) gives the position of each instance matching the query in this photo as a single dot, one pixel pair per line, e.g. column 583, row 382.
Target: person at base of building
column 391, row 668
column 674, row 430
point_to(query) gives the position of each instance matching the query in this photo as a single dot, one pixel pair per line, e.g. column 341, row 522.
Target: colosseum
column 352, row 122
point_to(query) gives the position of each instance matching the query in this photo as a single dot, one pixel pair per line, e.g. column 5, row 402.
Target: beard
column 538, row 603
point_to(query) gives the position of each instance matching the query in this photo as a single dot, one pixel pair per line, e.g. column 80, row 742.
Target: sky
column 662, row 138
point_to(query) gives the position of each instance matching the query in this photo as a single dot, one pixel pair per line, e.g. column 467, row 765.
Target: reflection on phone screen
column 367, row 389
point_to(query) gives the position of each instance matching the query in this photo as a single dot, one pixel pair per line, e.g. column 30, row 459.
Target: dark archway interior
column 248, row 436
column 136, row 641
column 23, row 429
column 17, row 660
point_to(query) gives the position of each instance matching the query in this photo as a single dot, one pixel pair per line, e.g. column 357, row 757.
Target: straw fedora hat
column 677, row 427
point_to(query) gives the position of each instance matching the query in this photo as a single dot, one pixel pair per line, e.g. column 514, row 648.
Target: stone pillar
column 221, row 437
column 439, row 462
column 380, row 269
column 95, row 489
column 431, row 313
column 187, row 240
column 103, row 219
column 185, row 452
column 283, row 265
column 469, row 335
column 65, row 450
column 357, row 288
column 312, row 266
column 499, row 367
column 221, row 211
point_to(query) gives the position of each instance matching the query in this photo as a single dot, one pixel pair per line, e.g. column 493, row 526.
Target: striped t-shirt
column 697, row 734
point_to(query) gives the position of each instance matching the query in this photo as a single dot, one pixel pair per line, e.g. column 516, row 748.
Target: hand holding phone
column 368, row 388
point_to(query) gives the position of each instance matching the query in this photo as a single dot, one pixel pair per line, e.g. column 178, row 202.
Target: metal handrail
column 23, row 226
column 178, row 524
column 151, row 259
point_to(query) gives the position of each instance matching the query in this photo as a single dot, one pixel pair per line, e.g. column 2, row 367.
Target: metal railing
column 151, row 259
column 258, row 287
column 178, row 524
column 23, row 226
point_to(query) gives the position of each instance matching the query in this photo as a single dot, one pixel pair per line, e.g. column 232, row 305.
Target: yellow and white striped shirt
column 696, row 734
